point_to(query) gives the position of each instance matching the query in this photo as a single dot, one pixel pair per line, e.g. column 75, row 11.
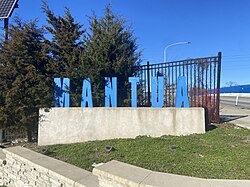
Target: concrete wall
column 118, row 174
column 2, row 158
column 70, row 125
column 21, row 167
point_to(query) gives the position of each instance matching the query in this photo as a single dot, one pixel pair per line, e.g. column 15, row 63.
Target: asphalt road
column 243, row 102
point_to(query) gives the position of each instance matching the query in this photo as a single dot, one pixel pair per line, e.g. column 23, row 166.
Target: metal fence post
column 148, row 74
column 218, row 88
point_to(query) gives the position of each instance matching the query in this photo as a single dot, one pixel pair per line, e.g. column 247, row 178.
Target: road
column 243, row 102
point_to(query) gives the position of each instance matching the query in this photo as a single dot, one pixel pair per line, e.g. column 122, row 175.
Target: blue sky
column 211, row 26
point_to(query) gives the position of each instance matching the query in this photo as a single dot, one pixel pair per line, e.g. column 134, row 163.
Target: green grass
column 222, row 153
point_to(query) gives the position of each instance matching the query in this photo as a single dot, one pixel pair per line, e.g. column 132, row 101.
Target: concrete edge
column 2, row 155
column 127, row 175
column 70, row 173
column 115, row 108
column 121, row 173
column 240, row 125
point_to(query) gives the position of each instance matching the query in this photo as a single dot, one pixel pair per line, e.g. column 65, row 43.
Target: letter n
column 61, row 92
column 110, row 92
column 181, row 93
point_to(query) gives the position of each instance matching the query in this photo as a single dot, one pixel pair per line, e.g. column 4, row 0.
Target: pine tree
column 25, row 85
column 66, row 48
column 111, row 51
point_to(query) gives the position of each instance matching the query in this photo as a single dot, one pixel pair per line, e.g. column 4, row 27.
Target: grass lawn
column 222, row 153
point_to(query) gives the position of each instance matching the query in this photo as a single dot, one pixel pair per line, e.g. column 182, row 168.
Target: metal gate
column 203, row 83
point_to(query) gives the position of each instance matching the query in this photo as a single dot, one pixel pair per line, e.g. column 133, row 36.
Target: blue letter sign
column 157, row 87
column 110, row 92
column 86, row 94
column 181, row 93
column 61, row 93
column 133, row 81
column 62, row 97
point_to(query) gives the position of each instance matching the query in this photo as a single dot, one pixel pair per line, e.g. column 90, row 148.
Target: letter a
column 86, row 94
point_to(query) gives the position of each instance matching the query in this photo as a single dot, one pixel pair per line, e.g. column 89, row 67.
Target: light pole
column 173, row 44
column 165, row 60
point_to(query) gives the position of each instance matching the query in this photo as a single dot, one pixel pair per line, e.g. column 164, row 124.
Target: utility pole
column 6, row 28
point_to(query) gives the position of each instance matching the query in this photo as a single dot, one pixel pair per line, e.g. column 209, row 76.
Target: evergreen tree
column 25, row 85
column 66, row 48
column 111, row 51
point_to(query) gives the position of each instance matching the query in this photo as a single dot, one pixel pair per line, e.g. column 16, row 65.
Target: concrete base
column 71, row 125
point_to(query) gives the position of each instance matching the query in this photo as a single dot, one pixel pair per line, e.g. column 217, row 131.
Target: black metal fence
column 203, row 82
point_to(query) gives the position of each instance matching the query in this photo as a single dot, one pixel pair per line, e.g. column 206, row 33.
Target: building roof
column 7, row 7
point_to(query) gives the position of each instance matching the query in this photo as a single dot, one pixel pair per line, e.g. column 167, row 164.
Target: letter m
column 61, row 92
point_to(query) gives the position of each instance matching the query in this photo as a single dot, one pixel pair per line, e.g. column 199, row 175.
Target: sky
column 211, row 26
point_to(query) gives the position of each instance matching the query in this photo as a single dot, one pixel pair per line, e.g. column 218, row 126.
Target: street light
column 173, row 44
column 165, row 60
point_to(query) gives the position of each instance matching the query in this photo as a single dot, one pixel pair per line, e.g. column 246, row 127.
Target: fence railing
column 203, row 83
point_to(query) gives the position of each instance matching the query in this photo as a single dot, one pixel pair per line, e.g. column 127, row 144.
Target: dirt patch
column 227, row 126
column 246, row 139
